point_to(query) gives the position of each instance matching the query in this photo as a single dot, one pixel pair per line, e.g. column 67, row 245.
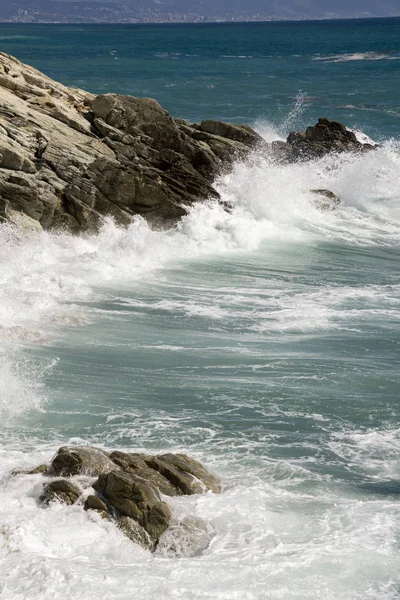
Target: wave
column 46, row 278
column 356, row 56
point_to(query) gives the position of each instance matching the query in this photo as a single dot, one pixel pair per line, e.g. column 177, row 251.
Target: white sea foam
column 281, row 516
column 45, row 277
column 338, row 58
column 333, row 546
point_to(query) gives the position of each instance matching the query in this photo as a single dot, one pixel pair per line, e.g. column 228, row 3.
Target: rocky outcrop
column 129, row 489
column 69, row 158
column 326, row 137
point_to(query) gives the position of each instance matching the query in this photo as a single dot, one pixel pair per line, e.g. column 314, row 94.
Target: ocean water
column 264, row 342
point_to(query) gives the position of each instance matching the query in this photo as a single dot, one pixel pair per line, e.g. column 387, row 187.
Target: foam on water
column 339, row 58
column 286, row 526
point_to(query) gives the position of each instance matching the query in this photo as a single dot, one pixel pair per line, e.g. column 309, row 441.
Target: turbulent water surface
column 264, row 341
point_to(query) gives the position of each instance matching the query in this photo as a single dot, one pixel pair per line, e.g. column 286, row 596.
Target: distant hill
column 190, row 10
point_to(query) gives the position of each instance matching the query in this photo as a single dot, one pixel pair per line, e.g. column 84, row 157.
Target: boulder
column 95, row 503
column 134, row 497
column 238, row 133
column 80, row 460
column 61, row 490
column 139, row 464
column 324, row 138
column 171, row 474
column 128, row 491
column 187, row 475
column 135, row 532
column 98, row 505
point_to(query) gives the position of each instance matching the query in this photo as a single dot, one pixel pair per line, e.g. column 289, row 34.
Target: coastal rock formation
column 128, row 488
column 69, row 158
column 326, row 137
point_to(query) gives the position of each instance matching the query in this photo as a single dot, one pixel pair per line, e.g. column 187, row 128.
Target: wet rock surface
column 60, row 490
column 326, row 137
column 130, row 489
column 69, row 158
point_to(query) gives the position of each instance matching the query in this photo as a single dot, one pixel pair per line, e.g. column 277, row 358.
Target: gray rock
column 134, row 497
column 60, row 491
column 239, row 133
column 69, row 158
column 89, row 157
column 324, row 138
column 128, row 491
column 80, row 460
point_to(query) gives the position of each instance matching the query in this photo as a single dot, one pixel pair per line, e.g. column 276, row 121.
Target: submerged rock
column 326, row 200
column 40, row 469
column 185, row 538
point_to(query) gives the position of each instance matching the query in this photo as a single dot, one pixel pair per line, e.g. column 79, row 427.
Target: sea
column 264, row 341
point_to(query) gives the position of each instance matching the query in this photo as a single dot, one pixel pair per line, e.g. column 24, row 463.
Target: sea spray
column 261, row 340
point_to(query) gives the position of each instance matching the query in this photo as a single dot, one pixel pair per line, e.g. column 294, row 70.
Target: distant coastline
column 60, row 12
column 199, row 21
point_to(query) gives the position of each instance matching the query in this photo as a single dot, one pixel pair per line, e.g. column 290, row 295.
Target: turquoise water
column 264, row 342
column 238, row 72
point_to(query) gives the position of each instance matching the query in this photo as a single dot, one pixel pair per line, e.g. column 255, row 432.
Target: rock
column 94, row 503
column 128, row 491
column 188, row 474
column 80, row 460
column 171, row 474
column 68, row 158
column 324, row 138
column 61, row 491
column 84, row 157
column 326, row 200
column 39, row 470
column 135, row 532
column 139, row 464
column 98, row 505
column 189, row 537
column 238, row 133
column 132, row 496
